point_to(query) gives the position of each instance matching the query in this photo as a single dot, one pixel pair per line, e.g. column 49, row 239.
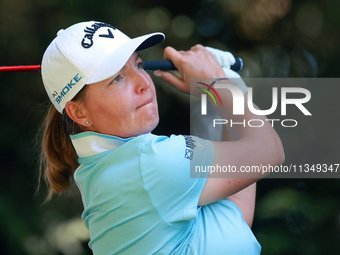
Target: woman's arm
column 249, row 146
column 245, row 198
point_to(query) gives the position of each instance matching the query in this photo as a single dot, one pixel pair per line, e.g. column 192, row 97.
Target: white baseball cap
column 87, row 53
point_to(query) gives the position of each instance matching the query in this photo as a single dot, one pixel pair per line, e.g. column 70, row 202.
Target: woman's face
column 124, row 105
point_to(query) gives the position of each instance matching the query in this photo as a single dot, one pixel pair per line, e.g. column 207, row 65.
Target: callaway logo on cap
column 87, row 53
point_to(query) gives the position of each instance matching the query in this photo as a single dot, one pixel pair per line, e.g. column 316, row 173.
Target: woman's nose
column 141, row 80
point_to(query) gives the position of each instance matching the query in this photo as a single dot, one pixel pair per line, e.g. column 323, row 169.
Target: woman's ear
column 76, row 112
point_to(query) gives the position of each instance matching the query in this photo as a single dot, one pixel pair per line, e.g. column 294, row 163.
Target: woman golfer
column 136, row 188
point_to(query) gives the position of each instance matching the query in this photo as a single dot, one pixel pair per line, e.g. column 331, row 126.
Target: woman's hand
column 198, row 62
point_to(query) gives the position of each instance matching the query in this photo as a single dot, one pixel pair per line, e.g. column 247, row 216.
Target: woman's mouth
column 146, row 102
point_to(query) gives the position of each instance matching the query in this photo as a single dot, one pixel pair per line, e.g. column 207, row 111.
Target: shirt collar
column 90, row 143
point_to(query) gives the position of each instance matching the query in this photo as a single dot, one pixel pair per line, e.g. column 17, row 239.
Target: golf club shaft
column 148, row 65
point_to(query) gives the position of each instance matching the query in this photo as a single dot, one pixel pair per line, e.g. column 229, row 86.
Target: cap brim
column 116, row 60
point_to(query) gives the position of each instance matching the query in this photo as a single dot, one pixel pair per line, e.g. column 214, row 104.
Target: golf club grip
column 168, row 65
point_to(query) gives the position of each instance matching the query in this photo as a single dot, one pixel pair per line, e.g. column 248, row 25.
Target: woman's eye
column 116, row 79
column 140, row 65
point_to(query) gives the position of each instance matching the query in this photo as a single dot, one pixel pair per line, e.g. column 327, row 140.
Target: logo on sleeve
column 190, row 144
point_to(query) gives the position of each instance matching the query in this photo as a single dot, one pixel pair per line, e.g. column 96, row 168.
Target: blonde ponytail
column 58, row 159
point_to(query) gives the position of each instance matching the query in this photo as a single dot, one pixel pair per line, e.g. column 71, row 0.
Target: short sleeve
column 165, row 169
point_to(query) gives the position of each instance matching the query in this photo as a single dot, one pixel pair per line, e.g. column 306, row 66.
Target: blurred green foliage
column 280, row 38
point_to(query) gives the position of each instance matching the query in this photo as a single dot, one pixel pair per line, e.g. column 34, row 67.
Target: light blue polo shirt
column 139, row 198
